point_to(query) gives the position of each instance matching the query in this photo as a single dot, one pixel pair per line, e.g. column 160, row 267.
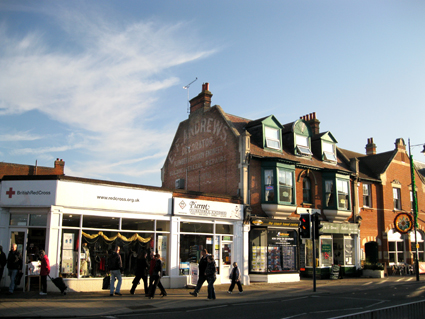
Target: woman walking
column 235, row 276
column 210, row 273
column 44, row 271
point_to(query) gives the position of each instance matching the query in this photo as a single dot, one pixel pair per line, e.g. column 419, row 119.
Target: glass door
column 226, row 260
column 19, row 237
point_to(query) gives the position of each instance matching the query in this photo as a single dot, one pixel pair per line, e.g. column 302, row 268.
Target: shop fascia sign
column 330, row 228
column 209, row 209
column 27, row 193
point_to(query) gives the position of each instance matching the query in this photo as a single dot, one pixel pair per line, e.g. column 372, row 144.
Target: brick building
column 19, row 169
column 384, row 185
column 279, row 171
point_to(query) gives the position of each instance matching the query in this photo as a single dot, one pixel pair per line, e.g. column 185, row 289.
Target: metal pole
column 415, row 211
column 313, row 233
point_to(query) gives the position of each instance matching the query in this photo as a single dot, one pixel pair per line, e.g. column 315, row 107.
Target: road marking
column 367, row 283
column 298, row 315
column 202, row 309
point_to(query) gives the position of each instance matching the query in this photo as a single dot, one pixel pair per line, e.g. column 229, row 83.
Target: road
column 326, row 302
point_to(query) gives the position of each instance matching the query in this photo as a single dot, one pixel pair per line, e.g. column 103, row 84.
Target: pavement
column 100, row 304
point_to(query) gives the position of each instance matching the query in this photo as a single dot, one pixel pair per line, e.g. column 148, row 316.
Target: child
column 235, row 276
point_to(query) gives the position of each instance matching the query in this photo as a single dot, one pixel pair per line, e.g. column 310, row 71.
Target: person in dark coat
column 141, row 272
column 210, row 274
column 201, row 273
column 44, row 272
column 235, row 277
column 14, row 264
column 156, row 278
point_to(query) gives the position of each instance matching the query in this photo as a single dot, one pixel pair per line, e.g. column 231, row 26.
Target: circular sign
column 403, row 223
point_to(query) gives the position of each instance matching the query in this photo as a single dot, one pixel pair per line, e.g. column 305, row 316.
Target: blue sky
column 99, row 84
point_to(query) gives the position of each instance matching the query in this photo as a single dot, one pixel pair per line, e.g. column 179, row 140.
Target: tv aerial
column 186, row 87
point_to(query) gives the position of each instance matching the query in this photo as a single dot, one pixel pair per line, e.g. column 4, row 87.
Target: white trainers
column 229, row 292
column 43, row 293
column 240, row 292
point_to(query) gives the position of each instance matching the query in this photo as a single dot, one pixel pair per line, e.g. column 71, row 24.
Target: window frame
column 327, row 155
column 268, row 140
column 276, row 187
column 367, row 198
column 302, row 148
column 307, row 198
column 331, row 193
column 397, row 201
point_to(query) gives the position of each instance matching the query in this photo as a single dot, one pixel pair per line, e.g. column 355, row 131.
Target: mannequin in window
column 86, row 261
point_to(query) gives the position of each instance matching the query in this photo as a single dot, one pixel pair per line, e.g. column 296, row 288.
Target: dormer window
column 272, row 138
column 329, row 152
column 302, row 147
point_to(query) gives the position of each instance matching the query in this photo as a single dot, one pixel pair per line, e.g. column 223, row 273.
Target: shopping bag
column 18, row 278
column 106, row 282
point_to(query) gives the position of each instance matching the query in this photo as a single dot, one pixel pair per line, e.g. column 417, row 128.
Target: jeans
column 12, row 273
column 211, row 291
column 115, row 274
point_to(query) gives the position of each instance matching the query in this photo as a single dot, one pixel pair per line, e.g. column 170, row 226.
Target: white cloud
column 19, row 136
column 102, row 83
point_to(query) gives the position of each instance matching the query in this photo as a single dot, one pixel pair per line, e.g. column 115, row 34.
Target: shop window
column 100, row 222
column 326, row 256
column 343, row 250
column 38, row 220
column 367, row 195
column 396, row 247
column 272, row 137
column 306, row 190
column 397, row 198
column 224, row 229
column 190, row 227
column 163, row 225
column 137, row 224
column 68, row 267
column 18, row 219
column 69, row 220
column 258, row 242
column 190, row 250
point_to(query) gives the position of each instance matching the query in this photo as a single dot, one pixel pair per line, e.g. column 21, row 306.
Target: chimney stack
column 399, row 144
column 314, row 123
column 203, row 100
column 370, row 147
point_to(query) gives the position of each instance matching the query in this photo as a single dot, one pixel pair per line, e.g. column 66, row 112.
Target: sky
column 99, row 83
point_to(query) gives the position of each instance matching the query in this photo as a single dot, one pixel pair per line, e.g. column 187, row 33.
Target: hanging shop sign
column 403, row 223
column 257, row 221
column 203, row 208
column 331, row 228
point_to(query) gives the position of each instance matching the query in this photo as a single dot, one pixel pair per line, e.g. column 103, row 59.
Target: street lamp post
column 415, row 206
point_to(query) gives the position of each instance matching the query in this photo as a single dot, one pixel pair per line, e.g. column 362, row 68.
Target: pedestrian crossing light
column 317, row 227
column 305, row 226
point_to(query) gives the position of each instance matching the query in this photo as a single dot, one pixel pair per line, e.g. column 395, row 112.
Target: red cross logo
column 10, row 192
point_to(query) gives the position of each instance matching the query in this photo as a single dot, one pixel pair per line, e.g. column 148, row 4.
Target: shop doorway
column 18, row 237
column 226, row 260
column 371, row 251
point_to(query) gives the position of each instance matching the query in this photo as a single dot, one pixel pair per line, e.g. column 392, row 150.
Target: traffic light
column 317, row 227
column 305, row 226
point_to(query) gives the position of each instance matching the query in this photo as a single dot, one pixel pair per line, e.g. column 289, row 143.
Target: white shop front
column 215, row 226
column 77, row 222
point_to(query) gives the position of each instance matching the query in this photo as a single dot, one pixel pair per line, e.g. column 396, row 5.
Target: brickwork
column 18, row 169
column 205, row 154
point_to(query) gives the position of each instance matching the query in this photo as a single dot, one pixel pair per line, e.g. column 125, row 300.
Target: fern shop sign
column 203, row 208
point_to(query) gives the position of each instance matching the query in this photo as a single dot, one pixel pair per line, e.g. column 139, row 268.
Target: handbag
column 18, row 278
column 106, row 282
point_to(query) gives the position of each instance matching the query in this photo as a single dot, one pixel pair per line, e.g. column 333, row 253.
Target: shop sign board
column 28, row 193
column 203, row 208
column 332, row 228
column 274, row 222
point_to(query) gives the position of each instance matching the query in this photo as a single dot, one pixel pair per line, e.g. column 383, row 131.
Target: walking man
column 14, row 264
column 115, row 267
column 156, row 278
column 201, row 272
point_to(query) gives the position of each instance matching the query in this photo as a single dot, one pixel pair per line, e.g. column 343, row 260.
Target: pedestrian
column 210, row 274
column 115, row 268
column 235, row 277
column 151, row 263
column 141, row 272
column 156, row 278
column 44, row 271
column 14, row 265
column 3, row 262
column 202, row 265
